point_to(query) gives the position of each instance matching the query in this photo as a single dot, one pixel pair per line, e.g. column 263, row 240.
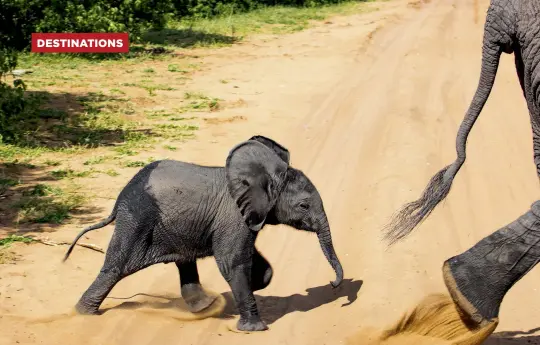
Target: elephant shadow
column 514, row 338
column 272, row 308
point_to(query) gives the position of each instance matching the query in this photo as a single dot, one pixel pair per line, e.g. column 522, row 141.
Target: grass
column 6, row 183
column 133, row 143
column 176, row 69
column 52, row 162
column 10, row 153
column 200, row 102
column 7, row 256
column 96, row 160
column 47, row 204
column 178, row 132
column 71, row 174
column 7, row 241
column 111, row 172
column 170, row 148
column 148, row 86
column 134, row 164
column 228, row 29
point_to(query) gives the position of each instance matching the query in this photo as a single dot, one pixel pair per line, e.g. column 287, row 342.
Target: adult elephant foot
column 254, row 325
column 479, row 278
column 464, row 295
column 196, row 298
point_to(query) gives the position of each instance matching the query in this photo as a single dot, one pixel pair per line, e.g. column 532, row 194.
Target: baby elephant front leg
column 238, row 274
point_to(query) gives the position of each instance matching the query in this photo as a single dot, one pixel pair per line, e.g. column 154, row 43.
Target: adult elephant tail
column 439, row 186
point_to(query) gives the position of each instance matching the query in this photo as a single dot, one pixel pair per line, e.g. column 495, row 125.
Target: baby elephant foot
column 251, row 325
column 196, row 299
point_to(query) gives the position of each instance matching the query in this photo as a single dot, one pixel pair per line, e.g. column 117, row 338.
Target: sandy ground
column 369, row 106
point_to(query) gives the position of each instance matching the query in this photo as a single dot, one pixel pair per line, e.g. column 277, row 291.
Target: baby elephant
column 179, row 212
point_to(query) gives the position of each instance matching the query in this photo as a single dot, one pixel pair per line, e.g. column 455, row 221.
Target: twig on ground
column 49, row 242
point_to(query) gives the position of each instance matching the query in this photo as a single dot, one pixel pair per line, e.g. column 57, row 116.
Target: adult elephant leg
column 261, row 272
column 534, row 115
column 190, row 287
column 479, row 278
column 536, row 146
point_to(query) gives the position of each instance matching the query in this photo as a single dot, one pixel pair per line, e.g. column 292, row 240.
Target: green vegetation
column 208, row 9
column 47, row 204
column 20, row 18
column 52, row 163
column 134, row 164
column 200, row 102
column 71, row 174
column 6, row 242
column 96, row 160
column 6, row 183
column 225, row 29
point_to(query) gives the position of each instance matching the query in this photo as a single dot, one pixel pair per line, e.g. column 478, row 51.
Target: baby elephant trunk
column 479, row 278
column 325, row 239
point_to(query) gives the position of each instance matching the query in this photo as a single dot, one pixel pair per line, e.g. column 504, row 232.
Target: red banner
column 80, row 42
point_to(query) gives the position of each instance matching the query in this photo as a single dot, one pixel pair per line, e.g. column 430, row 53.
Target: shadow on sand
column 515, row 338
column 272, row 308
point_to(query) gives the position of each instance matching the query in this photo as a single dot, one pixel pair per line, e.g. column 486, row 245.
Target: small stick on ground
column 49, row 242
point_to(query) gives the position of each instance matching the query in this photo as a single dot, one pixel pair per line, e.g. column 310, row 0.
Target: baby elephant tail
column 99, row 225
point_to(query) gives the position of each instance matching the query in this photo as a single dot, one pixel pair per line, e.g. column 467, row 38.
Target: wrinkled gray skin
column 512, row 26
column 180, row 212
column 479, row 278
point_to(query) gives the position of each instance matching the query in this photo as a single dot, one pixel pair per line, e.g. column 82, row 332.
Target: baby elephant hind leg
column 109, row 275
column 192, row 292
column 119, row 263
column 112, row 272
column 93, row 297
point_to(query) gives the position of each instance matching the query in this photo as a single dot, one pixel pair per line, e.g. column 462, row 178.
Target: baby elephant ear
column 255, row 177
column 282, row 152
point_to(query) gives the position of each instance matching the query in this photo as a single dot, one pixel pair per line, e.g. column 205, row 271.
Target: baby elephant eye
column 304, row 206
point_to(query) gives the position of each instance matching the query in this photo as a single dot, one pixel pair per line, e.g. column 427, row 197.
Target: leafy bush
column 20, row 18
column 212, row 8
column 8, row 60
column 15, row 108
column 104, row 16
column 12, row 106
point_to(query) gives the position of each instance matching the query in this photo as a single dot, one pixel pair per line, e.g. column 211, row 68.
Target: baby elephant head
column 267, row 190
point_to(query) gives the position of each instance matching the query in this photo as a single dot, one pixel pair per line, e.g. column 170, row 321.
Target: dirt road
column 369, row 107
